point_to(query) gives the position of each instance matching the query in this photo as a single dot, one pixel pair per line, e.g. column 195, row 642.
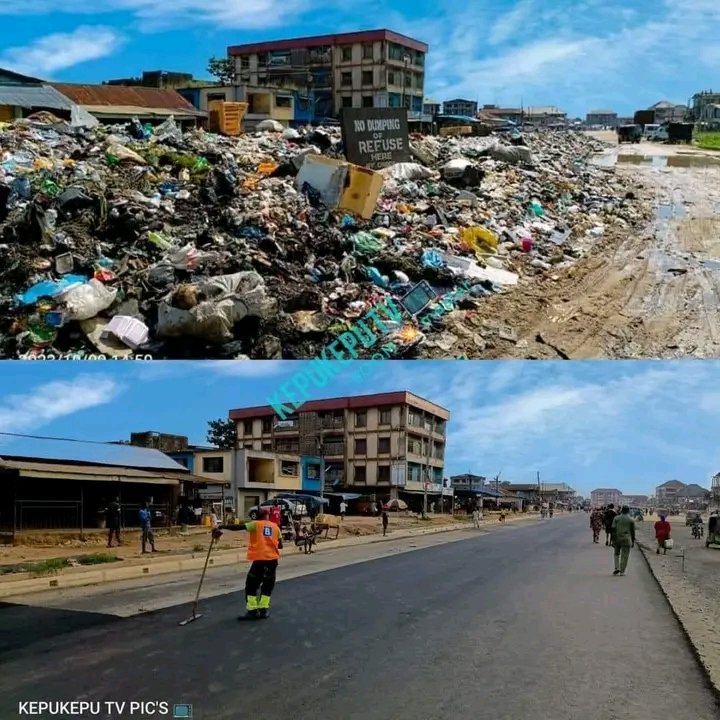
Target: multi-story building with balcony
column 605, row 496
column 602, row 118
column 458, row 106
column 376, row 68
column 370, row 443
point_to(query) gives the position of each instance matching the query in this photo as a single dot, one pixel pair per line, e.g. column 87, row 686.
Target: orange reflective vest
column 263, row 540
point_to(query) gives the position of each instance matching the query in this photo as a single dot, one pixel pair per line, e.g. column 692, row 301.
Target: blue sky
column 630, row 425
column 578, row 54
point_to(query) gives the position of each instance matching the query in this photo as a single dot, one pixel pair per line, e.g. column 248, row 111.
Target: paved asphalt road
column 523, row 623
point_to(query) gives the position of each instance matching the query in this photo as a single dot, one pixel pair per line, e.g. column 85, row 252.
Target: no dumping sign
column 375, row 137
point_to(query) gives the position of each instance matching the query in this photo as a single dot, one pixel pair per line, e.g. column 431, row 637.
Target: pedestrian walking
column 476, row 518
column 148, row 536
column 112, row 521
column 264, row 545
column 597, row 522
column 385, row 521
column 662, row 533
column 622, row 538
column 343, row 509
column 374, row 509
column 275, row 513
column 609, row 517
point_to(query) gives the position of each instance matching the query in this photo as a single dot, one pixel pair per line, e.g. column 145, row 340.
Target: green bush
column 708, row 140
column 97, row 559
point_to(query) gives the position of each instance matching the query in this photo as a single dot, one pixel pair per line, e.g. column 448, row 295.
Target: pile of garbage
column 132, row 240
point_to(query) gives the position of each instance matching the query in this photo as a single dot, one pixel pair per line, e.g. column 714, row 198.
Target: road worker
column 264, row 545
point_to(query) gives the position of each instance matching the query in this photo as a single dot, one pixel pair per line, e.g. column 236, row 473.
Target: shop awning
column 100, row 473
column 346, row 496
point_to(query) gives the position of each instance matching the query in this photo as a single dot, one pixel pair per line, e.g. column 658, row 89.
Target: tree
column 222, row 434
column 223, row 69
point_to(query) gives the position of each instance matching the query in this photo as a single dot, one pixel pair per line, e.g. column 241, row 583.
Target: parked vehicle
column 629, row 133
column 713, row 536
column 660, row 134
column 680, row 132
column 650, row 130
column 296, row 509
column 311, row 502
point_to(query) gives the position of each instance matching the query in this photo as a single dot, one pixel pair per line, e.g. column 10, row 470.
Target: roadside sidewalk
column 688, row 577
column 157, row 565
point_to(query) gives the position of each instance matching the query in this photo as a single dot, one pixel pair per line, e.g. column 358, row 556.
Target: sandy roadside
column 172, row 545
column 692, row 588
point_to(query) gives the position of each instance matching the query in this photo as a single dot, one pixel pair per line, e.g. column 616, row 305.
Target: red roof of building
column 119, row 95
column 321, row 40
column 353, row 402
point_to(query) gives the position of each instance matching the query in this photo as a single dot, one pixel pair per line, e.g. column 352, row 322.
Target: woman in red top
column 662, row 533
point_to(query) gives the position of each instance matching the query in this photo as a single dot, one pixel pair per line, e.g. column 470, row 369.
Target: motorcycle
column 697, row 531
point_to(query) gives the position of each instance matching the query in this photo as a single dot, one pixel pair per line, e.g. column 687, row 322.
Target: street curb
column 11, row 588
column 644, row 549
column 163, row 567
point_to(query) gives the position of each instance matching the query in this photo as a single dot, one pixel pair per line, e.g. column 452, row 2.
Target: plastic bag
column 87, row 301
column 480, row 239
column 669, row 544
column 407, row 171
column 365, row 243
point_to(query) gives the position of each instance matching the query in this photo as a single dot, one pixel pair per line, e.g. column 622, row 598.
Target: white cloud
column 55, row 400
column 160, row 14
column 508, row 24
column 51, row 53
column 246, row 368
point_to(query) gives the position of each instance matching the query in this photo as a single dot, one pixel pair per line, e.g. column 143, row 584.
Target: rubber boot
column 264, row 606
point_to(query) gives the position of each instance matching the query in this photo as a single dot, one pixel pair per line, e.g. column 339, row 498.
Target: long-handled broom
column 195, row 616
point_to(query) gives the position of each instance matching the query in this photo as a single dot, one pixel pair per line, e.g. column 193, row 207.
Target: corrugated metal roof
column 112, row 95
column 131, row 110
column 102, row 473
column 42, row 96
column 109, row 454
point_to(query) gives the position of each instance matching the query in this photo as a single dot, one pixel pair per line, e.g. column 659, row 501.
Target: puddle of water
column 657, row 161
column 711, row 264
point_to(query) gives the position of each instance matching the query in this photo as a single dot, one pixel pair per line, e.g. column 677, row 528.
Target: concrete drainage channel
column 712, row 679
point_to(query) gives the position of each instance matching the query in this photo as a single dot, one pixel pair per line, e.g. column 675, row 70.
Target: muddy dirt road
column 653, row 294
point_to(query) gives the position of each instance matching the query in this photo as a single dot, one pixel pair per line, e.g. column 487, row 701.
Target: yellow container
column 226, row 118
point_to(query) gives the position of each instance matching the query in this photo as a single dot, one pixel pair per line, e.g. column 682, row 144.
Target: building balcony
column 286, row 426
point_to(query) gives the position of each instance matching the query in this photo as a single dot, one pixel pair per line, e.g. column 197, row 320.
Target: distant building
column 371, row 444
column 79, row 479
column 545, row 116
column 665, row 111
column 605, row 496
column 21, row 95
column 466, row 108
column 431, row 107
column 603, row 118
column 117, row 103
column 377, row 68
column 669, row 492
column 161, row 79
column 693, row 495
column 159, row 441
column 706, row 108
column 514, row 115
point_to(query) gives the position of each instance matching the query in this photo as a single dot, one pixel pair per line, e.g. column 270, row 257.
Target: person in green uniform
column 622, row 539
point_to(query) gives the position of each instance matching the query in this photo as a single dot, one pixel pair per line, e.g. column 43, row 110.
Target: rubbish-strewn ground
column 693, row 592
column 653, row 292
column 120, row 240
